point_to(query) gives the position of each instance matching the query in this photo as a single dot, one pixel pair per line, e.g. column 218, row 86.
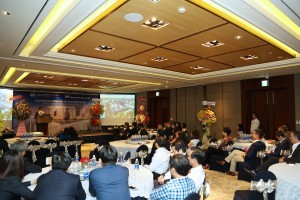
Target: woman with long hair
column 11, row 174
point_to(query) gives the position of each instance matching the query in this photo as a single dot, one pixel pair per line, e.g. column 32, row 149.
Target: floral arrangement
column 142, row 116
column 96, row 109
column 95, row 122
column 21, row 110
column 206, row 117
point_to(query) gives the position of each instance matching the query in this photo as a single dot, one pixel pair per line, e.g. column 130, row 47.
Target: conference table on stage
column 141, row 179
column 125, row 146
column 288, row 180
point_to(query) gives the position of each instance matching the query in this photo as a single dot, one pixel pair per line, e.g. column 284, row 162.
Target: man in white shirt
column 254, row 123
column 196, row 156
column 161, row 158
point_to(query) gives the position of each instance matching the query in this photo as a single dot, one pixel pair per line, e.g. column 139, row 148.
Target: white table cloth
column 123, row 146
column 243, row 145
column 141, row 179
column 41, row 140
column 288, row 181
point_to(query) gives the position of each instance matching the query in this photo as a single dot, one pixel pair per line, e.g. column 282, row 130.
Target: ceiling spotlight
column 154, row 23
column 41, row 82
column 5, row 13
column 280, row 57
column 238, row 37
column 159, row 59
column 73, row 50
column 214, row 43
column 181, row 10
column 154, row 1
column 196, row 67
column 48, row 76
column 73, row 84
column 267, row 75
column 249, row 57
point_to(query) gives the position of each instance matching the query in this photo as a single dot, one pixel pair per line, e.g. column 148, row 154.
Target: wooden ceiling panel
column 73, row 84
column 208, row 66
column 51, row 77
column 225, row 34
column 195, row 19
column 38, row 82
column 85, row 45
column 173, row 58
column 84, row 80
column 266, row 53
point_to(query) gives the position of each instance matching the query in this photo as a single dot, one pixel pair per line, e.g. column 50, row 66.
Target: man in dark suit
column 134, row 130
column 249, row 158
column 168, row 130
column 282, row 145
column 293, row 158
column 58, row 184
column 110, row 181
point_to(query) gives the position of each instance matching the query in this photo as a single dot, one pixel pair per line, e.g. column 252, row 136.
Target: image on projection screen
column 6, row 104
column 118, row 108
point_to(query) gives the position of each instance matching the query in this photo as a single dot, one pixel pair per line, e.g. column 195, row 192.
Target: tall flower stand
column 206, row 137
column 21, row 128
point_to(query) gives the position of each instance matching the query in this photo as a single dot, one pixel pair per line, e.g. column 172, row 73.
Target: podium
column 42, row 123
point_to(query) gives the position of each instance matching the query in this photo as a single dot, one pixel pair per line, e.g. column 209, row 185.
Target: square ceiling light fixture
column 159, row 59
column 154, row 23
column 249, row 57
column 214, row 43
column 104, row 48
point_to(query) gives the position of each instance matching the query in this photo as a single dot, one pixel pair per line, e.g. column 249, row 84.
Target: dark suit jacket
column 12, row 188
column 251, row 159
column 132, row 132
column 59, row 185
column 109, row 183
column 29, row 167
column 295, row 158
column 282, row 145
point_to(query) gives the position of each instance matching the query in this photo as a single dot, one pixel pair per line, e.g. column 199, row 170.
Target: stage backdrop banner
column 65, row 109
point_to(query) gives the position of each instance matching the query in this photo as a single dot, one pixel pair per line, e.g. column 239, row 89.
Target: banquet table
column 125, row 146
column 41, row 140
column 141, row 179
column 288, row 181
column 243, row 145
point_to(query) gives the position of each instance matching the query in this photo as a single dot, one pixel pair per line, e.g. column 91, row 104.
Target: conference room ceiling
column 108, row 46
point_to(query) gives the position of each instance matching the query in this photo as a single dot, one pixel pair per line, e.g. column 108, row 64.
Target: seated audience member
column 249, row 158
column 179, row 136
column 240, row 130
column 177, row 148
column 3, row 146
column 196, row 156
column 65, row 136
column 221, row 150
column 58, row 184
column 194, row 138
column 134, row 130
column 73, row 133
column 168, row 130
column 111, row 181
column 11, row 187
column 160, row 160
column 21, row 146
column 293, row 158
column 282, row 145
column 180, row 186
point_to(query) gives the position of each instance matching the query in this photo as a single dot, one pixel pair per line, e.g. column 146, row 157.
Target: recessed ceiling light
column 214, row 43
column 154, row 23
column 154, row 1
column 238, row 37
column 4, row 12
column 48, row 76
column 280, row 57
column 270, row 53
column 249, row 57
column 196, row 67
column 73, row 84
column 41, row 82
column 159, row 59
column 133, row 17
column 115, row 83
column 181, row 10
column 24, row 65
column 85, row 80
column 104, row 48
column 73, row 50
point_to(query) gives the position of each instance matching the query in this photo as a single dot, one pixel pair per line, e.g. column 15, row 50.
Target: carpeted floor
column 222, row 185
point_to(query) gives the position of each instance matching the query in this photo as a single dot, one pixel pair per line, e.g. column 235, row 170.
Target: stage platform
column 92, row 137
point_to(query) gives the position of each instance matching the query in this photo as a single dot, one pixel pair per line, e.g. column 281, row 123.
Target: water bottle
column 85, row 173
column 94, row 161
column 136, row 164
column 76, row 163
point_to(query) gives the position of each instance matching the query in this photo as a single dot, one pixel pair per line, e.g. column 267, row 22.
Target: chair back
column 127, row 155
column 263, row 186
column 36, row 154
column 192, row 196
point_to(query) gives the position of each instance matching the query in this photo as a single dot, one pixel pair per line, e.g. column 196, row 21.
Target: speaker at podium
column 42, row 122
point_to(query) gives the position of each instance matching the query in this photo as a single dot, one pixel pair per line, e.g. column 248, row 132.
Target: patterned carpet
column 222, row 185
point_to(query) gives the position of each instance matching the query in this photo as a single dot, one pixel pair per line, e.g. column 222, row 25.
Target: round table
column 125, row 146
column 288, row 180
column 41, row 140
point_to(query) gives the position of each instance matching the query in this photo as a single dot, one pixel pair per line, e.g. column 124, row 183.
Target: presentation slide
column 6, row 104
column 118, row 108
